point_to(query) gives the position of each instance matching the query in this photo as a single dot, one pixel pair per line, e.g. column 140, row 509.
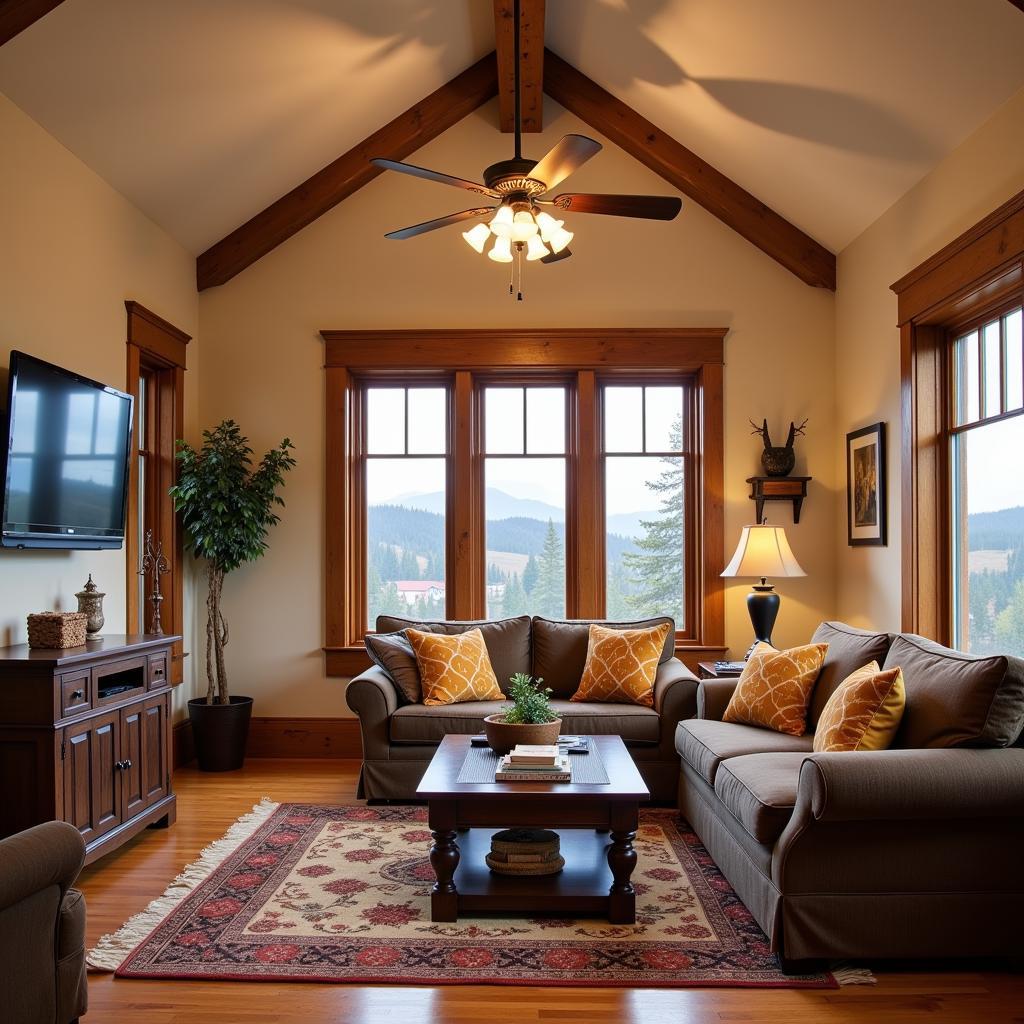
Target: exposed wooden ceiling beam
column 531, row 71
column 744, row 213
column 17, row 15
column 1019, row 4
column 338, row 180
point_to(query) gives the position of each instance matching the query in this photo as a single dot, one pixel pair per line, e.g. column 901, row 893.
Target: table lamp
column 763, row 551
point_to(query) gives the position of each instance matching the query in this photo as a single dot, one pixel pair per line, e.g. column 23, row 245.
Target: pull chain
column 519, row 270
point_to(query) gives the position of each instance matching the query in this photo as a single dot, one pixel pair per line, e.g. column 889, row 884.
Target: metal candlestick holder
column 155, row 562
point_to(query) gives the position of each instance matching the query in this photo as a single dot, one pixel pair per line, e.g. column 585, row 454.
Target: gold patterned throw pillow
column 775, row 688
column 864, row 712
column 454, row 668
column 621, row 664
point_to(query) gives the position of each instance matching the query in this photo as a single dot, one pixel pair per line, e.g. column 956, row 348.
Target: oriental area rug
column 297, row 892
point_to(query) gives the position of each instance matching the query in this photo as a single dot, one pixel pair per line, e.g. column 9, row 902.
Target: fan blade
column 566, row 156
column 443, row 179
column 439, row 222
column 554, row 257
column 647, row 207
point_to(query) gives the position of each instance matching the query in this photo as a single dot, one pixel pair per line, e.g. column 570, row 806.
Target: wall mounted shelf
column 778, row 488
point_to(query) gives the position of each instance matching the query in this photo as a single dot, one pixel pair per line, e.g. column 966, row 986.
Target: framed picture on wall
column 866, row 492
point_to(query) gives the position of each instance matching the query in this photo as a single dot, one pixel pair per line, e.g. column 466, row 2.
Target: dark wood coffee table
column 596, row 823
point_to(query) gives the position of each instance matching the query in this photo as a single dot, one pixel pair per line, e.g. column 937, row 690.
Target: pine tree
column 617, row 593
column 657, row 567
column 515, row 600
column 549, row 594
column 530, row 575
column 409, row 565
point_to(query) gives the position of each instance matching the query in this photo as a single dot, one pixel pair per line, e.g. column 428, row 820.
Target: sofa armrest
column 72, row 988
column 912, row 784
column 675, row 698
column 372, row 696
column 713, row 696
column 42, row 856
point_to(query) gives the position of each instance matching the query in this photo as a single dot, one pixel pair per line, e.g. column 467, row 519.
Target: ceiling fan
column 521, row 187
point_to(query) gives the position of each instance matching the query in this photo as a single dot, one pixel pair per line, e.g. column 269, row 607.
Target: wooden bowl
column 502, row 736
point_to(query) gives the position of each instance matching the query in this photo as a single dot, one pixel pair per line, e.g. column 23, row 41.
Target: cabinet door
column 133, row 755
column 154, row 749
column 92, row 783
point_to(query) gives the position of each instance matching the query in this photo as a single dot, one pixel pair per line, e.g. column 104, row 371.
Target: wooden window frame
column 584, row 357
column 158, row 349
column 968, row 280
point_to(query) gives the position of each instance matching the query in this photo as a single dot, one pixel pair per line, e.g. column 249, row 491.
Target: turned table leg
column 622, row 861
column 444, row 859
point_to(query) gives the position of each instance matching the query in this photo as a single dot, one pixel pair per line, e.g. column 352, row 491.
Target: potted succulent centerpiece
column 529, row 719
column 226, row 510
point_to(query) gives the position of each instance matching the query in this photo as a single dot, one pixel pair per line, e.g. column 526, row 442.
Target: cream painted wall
column 980, row 175
column 72, row 251
column 263, row 356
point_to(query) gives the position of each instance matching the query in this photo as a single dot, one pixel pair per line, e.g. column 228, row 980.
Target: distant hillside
column 423, row 532
column 1000, row 530
column 501, row 505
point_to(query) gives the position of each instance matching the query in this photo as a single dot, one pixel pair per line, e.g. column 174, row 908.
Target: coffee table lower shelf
column 583, row 886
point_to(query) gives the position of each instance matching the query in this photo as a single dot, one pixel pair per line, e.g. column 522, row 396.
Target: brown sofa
column 42, row 926
column 915, row 851
column 400, row 736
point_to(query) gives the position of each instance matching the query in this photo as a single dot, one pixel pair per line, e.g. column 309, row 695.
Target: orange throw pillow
column 775, row 688
column 864, row 712
column 454, row 668
column 621, row 664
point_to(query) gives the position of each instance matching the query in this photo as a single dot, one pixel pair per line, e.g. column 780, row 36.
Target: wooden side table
column 709, row 670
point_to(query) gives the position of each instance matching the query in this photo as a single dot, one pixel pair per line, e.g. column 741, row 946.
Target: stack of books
column 525, row 852
column 533, row 763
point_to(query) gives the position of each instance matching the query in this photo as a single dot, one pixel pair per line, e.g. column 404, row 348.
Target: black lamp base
column 763, row 607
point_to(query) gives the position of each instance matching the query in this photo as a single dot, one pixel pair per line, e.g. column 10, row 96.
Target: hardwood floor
column 126, row 880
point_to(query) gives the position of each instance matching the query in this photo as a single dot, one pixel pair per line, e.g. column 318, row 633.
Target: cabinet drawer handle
column 77, row 694
column 123, row 766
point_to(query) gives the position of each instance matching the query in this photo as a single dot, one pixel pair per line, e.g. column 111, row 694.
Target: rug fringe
column 848, row 974
column 112, row 950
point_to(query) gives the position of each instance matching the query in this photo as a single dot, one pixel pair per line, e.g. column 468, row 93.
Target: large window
column 962, row 433
column 512, row 484
column 987, row 487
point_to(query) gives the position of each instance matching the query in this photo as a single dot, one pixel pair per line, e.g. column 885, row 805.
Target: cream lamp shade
column 763, row 551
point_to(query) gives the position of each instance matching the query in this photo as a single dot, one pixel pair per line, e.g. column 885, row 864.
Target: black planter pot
column 220, row 732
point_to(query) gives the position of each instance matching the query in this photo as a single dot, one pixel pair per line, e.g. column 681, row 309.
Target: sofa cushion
column 704, row 743
column 848, row 650
column 956, row 699
column 775, row 688
column 560, row 649
column 454, row 669
column 507, row 640
column 621, row 665
column 760, row 791
column 394, row 654
column 416, row 723
column 864, row 713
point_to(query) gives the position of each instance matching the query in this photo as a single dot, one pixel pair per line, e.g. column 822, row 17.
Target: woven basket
column 547, row 867
column 57, row 630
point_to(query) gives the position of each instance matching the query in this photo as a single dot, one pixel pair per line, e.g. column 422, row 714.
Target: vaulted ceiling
column 203, row 113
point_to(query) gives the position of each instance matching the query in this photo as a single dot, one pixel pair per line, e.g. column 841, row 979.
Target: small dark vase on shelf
column 778, row 460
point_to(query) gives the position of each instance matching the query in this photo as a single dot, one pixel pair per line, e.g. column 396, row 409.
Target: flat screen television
column 65, row 459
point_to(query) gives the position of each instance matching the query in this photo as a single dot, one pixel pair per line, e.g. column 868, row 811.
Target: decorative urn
column 90, row 601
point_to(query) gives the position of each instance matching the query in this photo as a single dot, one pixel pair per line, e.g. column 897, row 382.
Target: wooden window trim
column 585, row 357
column 156, row 346
column 979, row 272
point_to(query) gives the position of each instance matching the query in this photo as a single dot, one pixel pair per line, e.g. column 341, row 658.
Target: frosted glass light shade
column 501, row 251
column 501, row 222
column 477, row 236
column 547, row 224
column 559, row 237
column 535, row 248
column 763, row 551
column 524, row 226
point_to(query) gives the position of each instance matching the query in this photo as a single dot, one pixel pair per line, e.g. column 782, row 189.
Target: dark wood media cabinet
column 85, row 738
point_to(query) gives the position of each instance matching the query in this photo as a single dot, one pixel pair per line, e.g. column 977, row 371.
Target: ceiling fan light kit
column 521, row 229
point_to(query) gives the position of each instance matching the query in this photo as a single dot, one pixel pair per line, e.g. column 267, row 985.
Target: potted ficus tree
column 226, row 509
